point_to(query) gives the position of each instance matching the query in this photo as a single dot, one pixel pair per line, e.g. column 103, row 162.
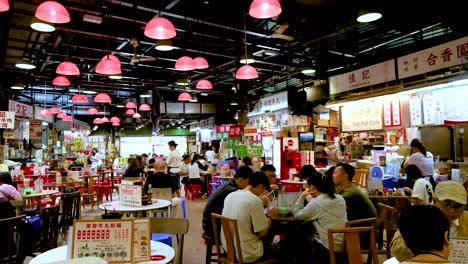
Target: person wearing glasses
column 450, row 198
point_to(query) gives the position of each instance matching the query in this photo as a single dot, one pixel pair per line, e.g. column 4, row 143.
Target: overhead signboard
column 442, row 56
column 357, row 117
column 371, row 75
column 7, row 120
column 20, row 109
column 271, row 103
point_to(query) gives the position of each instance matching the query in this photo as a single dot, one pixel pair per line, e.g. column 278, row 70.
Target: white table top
column 60, row 254
column 43, row 193
column 293, row 182
column 116, row 206
column 391, row 261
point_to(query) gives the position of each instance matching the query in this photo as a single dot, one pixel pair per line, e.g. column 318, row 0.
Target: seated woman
column 195, row 168
column 159, row 178
column 326, row 210
column 422, row 188
column 7, row 193
column 133, row 170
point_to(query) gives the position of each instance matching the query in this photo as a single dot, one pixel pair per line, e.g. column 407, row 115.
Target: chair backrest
column 175, row 226
column 49, row 227
column 231, row 236
column 70, row 208
column 12, row 242
column 161, row 193
column 362, row 222
column 353, row 244
column 361, row 177
column 387, row 215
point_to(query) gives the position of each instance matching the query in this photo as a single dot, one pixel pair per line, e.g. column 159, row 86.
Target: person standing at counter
column 173, row 162
column 423, row 159
column 95, row 158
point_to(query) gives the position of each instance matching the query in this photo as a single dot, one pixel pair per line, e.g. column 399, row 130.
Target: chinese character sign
column 361, row 117
column 374, row 74
column 20, row 109
column 131, row 195
column 435, row 58
column 250, row 131
column 392, row 113
column 235, row 131
column 458, row 250
column 7, row 120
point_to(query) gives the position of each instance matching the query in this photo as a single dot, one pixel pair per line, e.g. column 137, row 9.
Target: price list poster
column 110, row 240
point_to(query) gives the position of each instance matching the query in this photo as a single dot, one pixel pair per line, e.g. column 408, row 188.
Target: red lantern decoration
column 79, row 99
column 67, row 119
column 61, row 81
column 265, row 8
column 185, row 63
column 61, row 115
column 160, row 28
column 204, row 85
column 109, row 65
column 54, row 110
column 67, row 68
column 93, row 111
column 105, row 120
column 44, row 113
column 130, row 112
column 115, row 124
column 144, row 107
column 130, row 104
column 201, row 63
column 52, row 12
column 102, row 98
column 184, row 96
column 4, row 5
column 246, row 72
column 136, row 116
column 115, row 119
column 97, row 120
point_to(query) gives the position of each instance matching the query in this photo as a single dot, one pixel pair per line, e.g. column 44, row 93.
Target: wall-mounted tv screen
column 306, row 136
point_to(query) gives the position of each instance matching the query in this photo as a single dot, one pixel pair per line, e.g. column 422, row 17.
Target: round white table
column 43, row 193
column 60, row 254
column 135, row 210
column 391, row 261
column 293, row 182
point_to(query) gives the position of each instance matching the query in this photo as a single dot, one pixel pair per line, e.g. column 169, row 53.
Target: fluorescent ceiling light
column 182, row 81
column 247, row 59
column 25, row 64
column 308, row 71
column 164, row 45
column 203, row 94
column 194, row 99
column 17, row 86
column 89, row 92
column 367, row 16
column 145, row 95
column 120, row 106
column 234, row 103
column 42, row 26
column 116, row 77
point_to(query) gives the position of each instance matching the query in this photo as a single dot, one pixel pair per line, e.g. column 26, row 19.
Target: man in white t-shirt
column 173, row 161
column 423, row 191
column 210, row 154
column 247, row 208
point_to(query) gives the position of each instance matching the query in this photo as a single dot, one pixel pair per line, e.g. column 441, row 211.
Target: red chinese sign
column 235, row 131
column 250, row 131
column 435, row 58
column 257, row 138
column 7, row 120
column 392, row 113
column 20, row 109
column 222, row 128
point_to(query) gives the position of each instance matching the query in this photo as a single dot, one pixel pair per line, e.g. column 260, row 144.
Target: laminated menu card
column 141, row 240
column 458, row 250
column 111, row 240
column 131, row 195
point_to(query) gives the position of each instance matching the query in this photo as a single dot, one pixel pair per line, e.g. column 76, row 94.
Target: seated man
column 450, row 197
column 425, row 229
column 215, row 202
column 358, row 205
column 246, row 207
column 159, row 178
column 270, row 171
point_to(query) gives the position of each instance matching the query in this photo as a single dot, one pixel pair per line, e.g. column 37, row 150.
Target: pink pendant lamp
column 265, row 8
column 130, row 104
column 105, row 120
column 144, row 107
column 67, row 119
column 136, row 116
column 109, row 65
column 4, row 5
column 184, row 96
column 97, row 120
column 130, row 112
column 246, row 72
column 61, row 115
column 200, row 63
column 44, row 113
column 185, row 63
column 54, row 110
column 115, row 119
column 52, row 12
column 115, row 124
column 67, row 68
column 93, row 111
column 79, row 99
column 160, row 28
column 204, row 85
column 102, row 98
column 61, row 81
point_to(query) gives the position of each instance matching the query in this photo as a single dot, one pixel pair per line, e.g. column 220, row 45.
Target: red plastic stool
column 186, row 190
column 195, row 190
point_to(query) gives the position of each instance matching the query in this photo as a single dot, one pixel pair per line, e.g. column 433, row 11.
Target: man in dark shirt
column 159, row 178
column 215, row 202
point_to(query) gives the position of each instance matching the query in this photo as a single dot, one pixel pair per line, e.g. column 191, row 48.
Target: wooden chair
column 49, row 230
column 361, row 177
column 12, row 242
column 175, row 226
column 231, row 235
column 162, row 193
column 89, row 194
column 352, row 244
column 70, row 205
column 388, row 220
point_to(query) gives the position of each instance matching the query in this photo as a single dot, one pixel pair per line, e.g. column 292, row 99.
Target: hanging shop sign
column 272, row 103
column 270, row 122
column 442, row 56
column 233, row 142
column 35, row 133
column 361, row 117
column 374, row 74
column 257, row 138
column 7, row 120
column 255, row 151
column 235, row 131
column 250, row 131
column 222, row 128
column 392, row 113
column 415, row 109
column 20, row 109
column 433, row 109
